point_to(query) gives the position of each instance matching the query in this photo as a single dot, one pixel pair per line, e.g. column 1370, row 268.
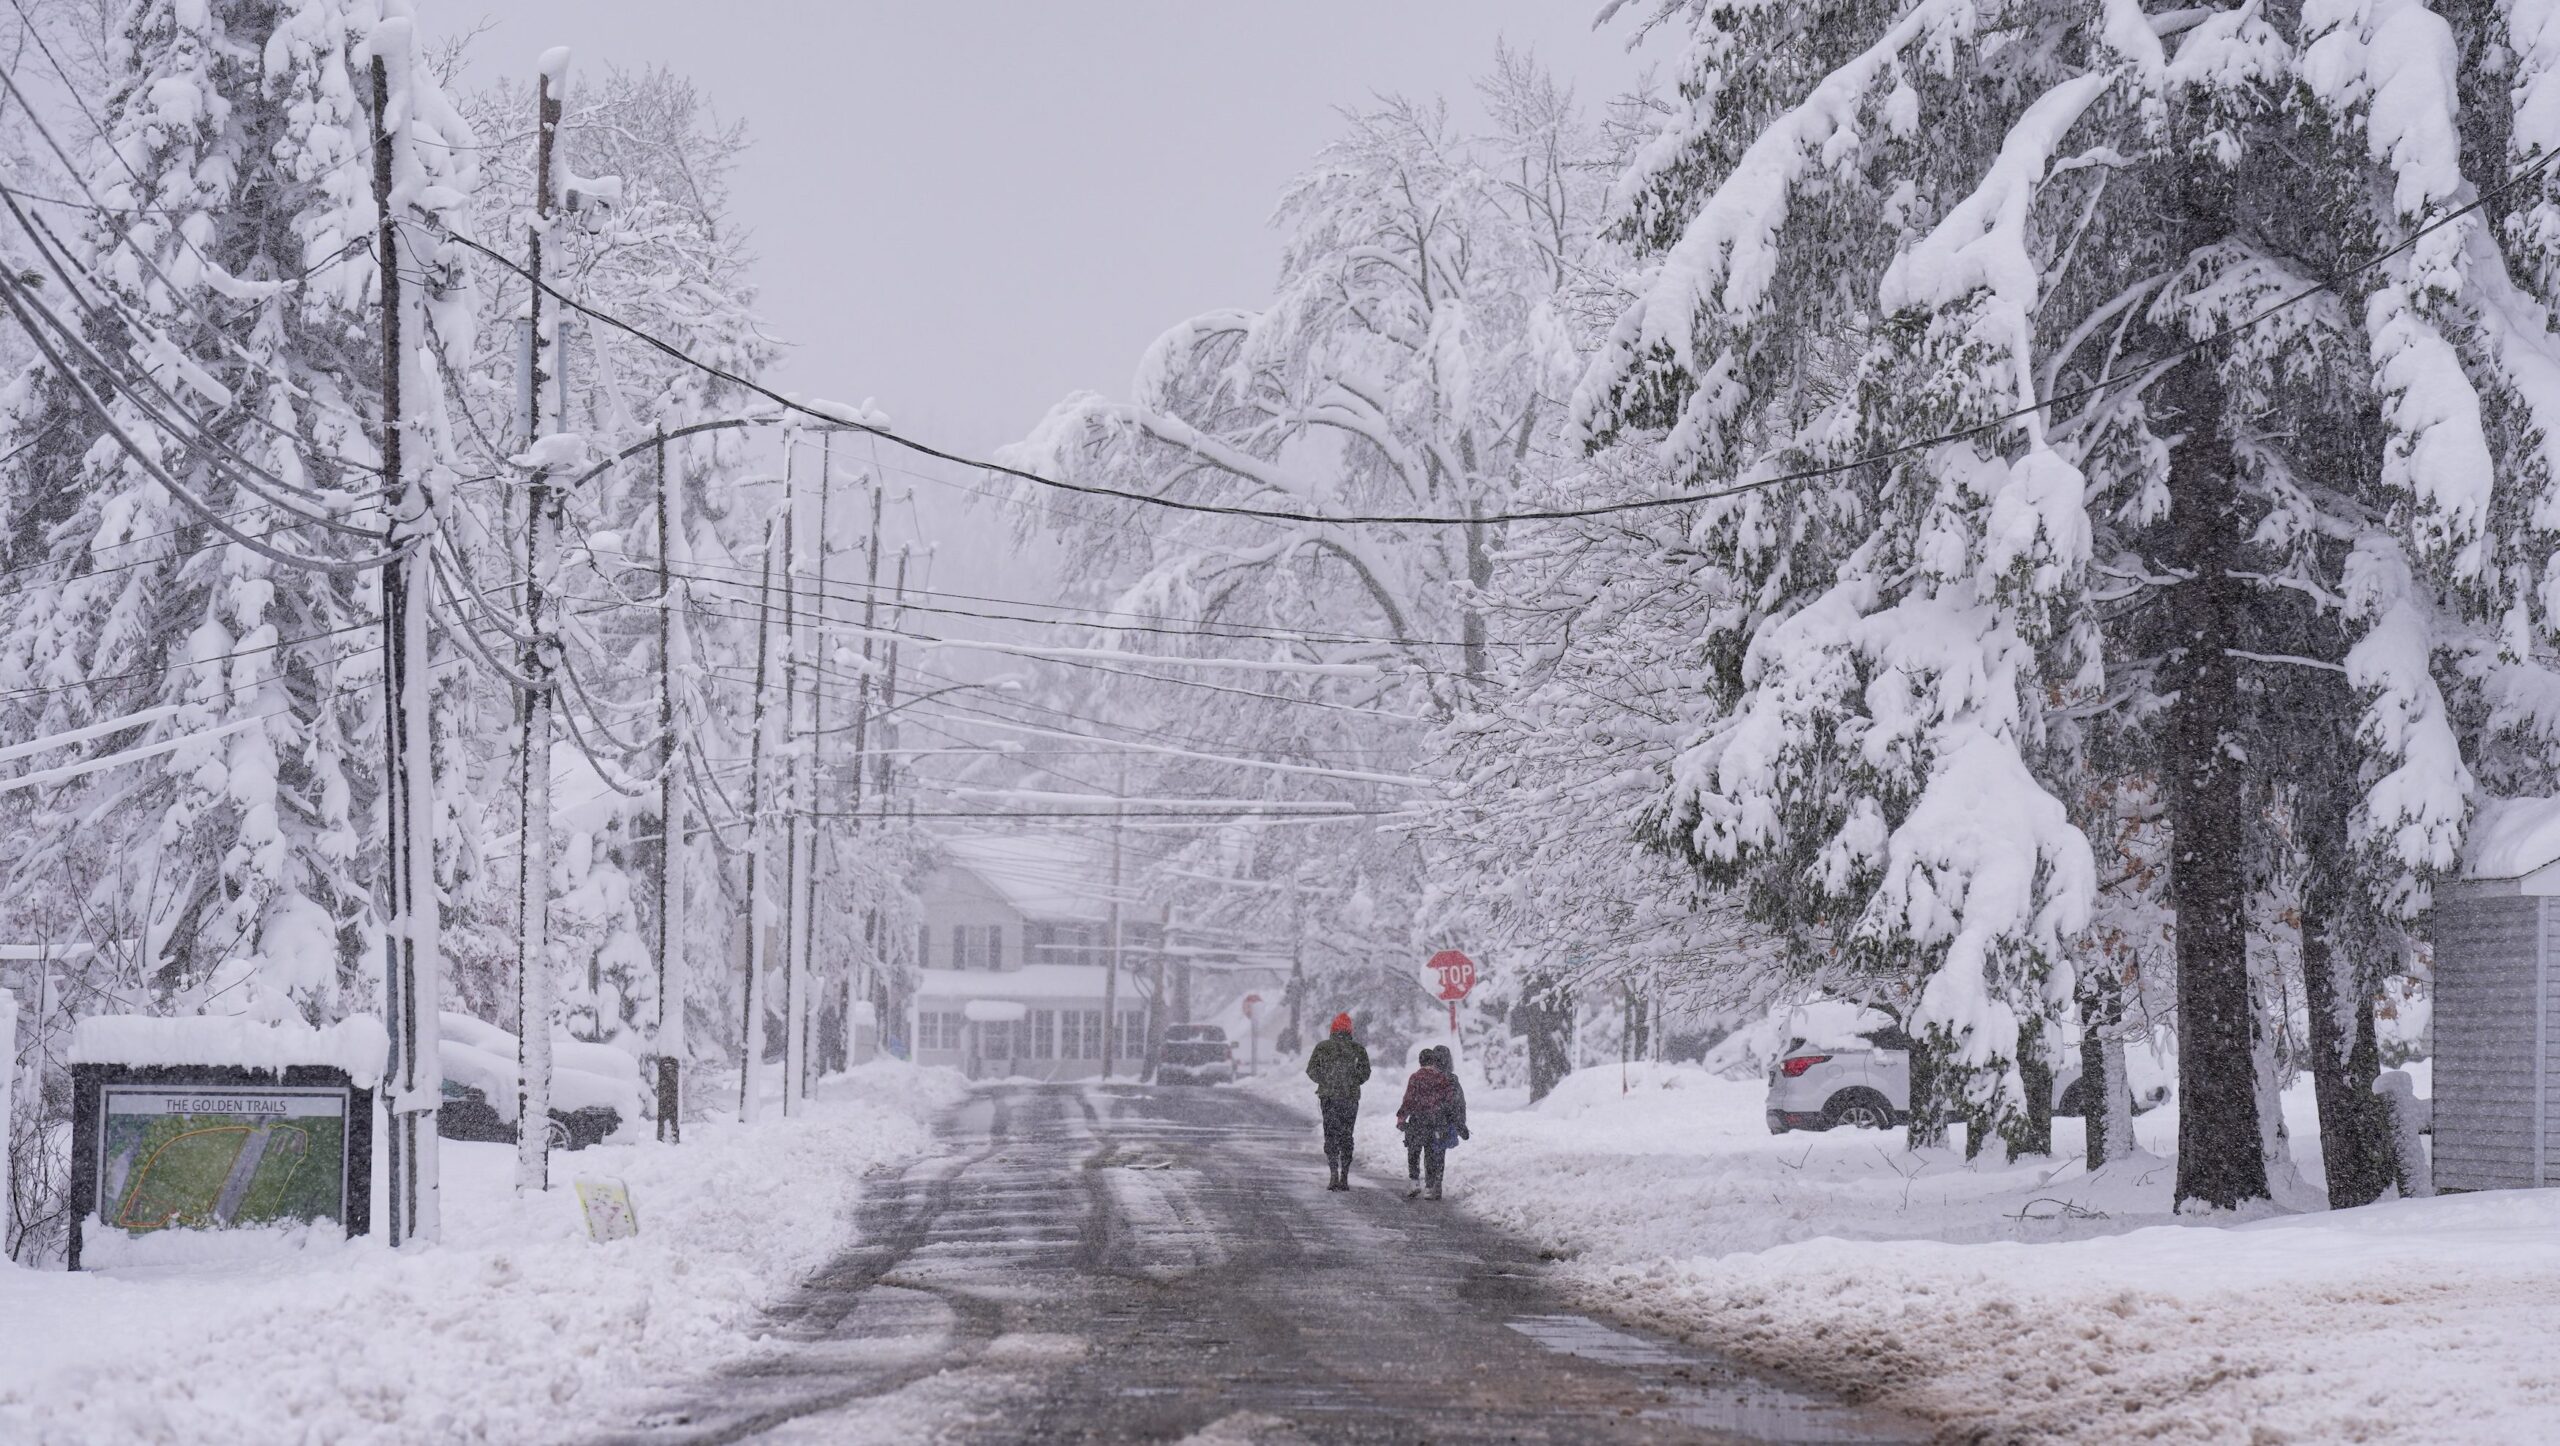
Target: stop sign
column 1449, row 975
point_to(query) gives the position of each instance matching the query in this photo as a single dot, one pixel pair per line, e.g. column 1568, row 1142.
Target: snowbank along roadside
column 516, row 1328
column 2032, row 1301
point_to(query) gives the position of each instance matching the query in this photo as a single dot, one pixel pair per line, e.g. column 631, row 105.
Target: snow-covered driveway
column 1124, row 1264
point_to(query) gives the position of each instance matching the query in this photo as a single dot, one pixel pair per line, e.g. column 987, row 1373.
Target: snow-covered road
column 1129, row 1265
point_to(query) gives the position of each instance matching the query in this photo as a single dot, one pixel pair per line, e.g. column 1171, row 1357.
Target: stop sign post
column 1449, row 976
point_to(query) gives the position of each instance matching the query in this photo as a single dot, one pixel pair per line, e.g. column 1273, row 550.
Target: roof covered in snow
column 1039, row 878
column 1036, row 982
column 2512, row 837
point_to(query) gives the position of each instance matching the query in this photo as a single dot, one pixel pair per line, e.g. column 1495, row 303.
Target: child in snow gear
column 1339, row 1067
column 1433, row 1118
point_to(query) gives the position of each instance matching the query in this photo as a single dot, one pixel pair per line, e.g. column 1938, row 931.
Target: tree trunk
column 2355, row 1129
column 1928, row 1125
column 2031, row 1129
column 2106, row 1096
column 2221, row 1159
column 1545, row 1015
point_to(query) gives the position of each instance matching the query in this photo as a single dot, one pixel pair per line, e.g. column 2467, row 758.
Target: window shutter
column 995, row 946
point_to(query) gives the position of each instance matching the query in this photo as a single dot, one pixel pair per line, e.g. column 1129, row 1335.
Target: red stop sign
column 1449, row 975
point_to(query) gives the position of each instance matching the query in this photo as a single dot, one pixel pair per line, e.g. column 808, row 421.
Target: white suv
column 1866, row 1089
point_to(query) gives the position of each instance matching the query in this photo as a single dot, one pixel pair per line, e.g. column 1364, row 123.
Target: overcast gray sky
column 967, row 211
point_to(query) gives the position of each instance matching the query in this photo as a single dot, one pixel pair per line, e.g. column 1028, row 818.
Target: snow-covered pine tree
column 1838, row 264
column 229, row 266
column 2311, row 488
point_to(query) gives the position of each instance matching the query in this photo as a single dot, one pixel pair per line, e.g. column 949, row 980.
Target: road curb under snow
column 516, row 1328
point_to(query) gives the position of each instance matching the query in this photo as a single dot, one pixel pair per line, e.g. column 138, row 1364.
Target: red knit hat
column 1342, row 1024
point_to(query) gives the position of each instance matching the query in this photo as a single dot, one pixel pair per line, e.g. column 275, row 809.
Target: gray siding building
column 2497, row 1010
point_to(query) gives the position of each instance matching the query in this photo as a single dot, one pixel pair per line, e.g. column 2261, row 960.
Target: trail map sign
column 217, row 1148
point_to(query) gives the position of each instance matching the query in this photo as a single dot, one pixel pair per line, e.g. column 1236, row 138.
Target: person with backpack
column 1339, row 1067
column 1433, row 1118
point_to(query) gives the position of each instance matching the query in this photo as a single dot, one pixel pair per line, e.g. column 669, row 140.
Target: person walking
column 1339, row 1067
column 1433, row 1118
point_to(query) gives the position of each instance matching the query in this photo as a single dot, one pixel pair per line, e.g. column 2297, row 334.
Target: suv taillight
column 1798, row 1065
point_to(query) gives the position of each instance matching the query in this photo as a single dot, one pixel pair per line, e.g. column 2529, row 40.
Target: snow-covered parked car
column 1196, row 1054
column 594, row 1087
column 1867, row 1085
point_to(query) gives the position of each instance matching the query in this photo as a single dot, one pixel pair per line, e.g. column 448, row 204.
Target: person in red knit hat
column 1339, row 1067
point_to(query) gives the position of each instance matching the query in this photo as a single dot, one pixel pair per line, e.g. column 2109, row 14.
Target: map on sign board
column 608, row 1207
column 221, row 1157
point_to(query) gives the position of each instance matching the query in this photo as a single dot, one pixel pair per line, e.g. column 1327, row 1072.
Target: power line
column 1260, row 632
column 2148, row 369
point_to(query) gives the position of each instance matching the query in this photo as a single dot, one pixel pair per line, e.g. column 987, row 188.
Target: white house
column 1014, row 953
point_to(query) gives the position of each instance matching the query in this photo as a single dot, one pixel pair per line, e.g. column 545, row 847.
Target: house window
column 936, row 1029
column 1130, row 1041
column 1092, row 1035
column 977, row 946
column 1044, row 1034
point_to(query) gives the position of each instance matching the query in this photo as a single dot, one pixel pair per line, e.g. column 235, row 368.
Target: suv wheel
column 1858, row 1110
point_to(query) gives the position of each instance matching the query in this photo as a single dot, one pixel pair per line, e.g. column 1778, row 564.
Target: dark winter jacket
column 1339, row 1067
column 1434, row 1105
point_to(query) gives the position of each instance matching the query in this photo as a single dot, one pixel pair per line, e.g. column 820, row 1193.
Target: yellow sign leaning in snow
column 609, row 1212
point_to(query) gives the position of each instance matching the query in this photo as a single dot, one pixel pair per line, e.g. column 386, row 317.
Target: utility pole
column 1111, row 971
column 669, row 1041
column 540, row 656
column 889, row 686
column 759, row 911
column 412, row 963
column 883, row 777
column 796, row 824
column 862, row 718
column 807, row 954
column 1156, row 1012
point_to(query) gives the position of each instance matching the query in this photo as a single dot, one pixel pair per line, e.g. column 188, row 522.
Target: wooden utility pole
column 870, row 626
column 1111, row 969
column 540, row 656
column 1156, row 1009
column 796, row 824
column 412, row 962
column 669, row 1041
column 759, row 910
column 806, row 956
column 889, row 688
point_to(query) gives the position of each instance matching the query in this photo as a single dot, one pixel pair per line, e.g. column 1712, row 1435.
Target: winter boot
column 1431, row 1192
column 1415, row 1192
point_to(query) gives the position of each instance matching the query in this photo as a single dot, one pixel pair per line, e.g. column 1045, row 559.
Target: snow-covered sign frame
column 248, row 1139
